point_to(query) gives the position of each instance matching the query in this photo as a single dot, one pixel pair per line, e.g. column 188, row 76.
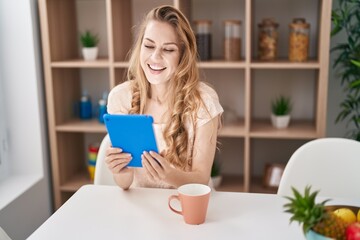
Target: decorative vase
column 90, row 54
column 280, row 121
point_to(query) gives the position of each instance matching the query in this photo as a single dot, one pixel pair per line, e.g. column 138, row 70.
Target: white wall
column 25, row 200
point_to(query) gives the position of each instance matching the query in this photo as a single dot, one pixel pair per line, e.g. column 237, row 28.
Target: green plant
column 314, row 216
column 346, row 20
column 88, row 39
column 281, row 106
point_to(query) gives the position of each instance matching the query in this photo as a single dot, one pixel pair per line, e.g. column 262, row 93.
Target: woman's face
column 160, row 52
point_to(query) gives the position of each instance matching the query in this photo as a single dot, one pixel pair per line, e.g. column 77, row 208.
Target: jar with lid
column 232, row 40
column 299, row 40
column 268, row 38
column 203, row 39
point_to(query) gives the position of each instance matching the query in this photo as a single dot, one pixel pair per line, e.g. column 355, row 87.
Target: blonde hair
column 185, row 103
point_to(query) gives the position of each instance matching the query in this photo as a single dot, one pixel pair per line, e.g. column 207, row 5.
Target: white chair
column 330, row 165
column 3, row 235
column 103, row 176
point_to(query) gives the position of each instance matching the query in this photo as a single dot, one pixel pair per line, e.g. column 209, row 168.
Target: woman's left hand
column 156, row 166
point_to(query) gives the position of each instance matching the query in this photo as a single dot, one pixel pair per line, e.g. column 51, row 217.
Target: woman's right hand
column 117, row 160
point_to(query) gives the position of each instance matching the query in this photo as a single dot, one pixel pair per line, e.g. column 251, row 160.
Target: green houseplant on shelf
column 280, row 112
column 89, row 42
column 346, row 20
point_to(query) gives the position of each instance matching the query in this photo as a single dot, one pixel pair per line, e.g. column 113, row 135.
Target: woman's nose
column 156, row 54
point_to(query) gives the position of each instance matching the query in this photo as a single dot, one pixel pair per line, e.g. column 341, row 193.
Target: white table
column 108, row 212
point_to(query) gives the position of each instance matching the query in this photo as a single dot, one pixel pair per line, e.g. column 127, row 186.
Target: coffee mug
column 194, row 200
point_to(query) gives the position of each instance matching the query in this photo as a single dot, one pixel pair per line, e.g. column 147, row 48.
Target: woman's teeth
column 156, row 68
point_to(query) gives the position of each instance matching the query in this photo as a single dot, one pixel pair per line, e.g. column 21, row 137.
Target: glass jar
column 203, row 39
column 299, row 40
column 268, row 38
column 232, row 40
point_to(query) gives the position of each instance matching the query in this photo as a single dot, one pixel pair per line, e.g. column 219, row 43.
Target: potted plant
column 280, row 112
column 346, row 20
column 89, row 42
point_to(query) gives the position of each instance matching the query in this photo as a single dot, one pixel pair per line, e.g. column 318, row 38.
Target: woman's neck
column 159, row 94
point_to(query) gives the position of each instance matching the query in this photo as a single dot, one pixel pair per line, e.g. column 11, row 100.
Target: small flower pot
column 90, row 54
column 280, row 121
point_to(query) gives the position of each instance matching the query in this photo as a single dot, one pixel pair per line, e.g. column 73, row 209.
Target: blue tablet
column 132, row 133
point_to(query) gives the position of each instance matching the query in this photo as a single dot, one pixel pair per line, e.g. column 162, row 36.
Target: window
column 3, row 135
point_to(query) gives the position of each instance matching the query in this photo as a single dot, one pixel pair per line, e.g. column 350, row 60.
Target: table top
column 108, row 212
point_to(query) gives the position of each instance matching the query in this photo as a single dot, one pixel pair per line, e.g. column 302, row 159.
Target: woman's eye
column 168, row 50
column 149, row 46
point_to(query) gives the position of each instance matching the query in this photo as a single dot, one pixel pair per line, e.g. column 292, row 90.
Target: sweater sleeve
column 211, row 107
column 119, row 100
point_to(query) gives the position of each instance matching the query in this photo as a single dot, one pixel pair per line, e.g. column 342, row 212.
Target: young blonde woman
column 163, row 81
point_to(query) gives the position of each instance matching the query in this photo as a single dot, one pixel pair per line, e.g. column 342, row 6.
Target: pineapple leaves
column 304, row 208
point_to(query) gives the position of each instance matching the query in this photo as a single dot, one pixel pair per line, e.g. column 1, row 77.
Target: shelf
column 77, row 125
column 231, row 183
column 235, row 183
column 233, row 130
column 248, row 85
column 257, row 186
column 76, row 182
column 80, row 63
column 213, row 64
column 296, row 130
column 285, row 64
column 221, row 64
column 121, row 64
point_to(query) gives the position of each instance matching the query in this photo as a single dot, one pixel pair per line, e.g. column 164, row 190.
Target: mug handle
column 172, row 197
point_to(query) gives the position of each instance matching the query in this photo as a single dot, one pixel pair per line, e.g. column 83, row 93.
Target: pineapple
column 314, row 216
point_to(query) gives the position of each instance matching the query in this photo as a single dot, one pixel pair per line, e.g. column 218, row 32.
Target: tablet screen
column 132, row 133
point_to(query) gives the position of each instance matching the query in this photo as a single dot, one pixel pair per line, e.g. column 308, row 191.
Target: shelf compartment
column 121, row 64
column 71, row 157
column 228, row 9
column 308, row 9
column 222, row 64
column 66, row 19
column 296, row 130
column 233, row 130
column 257, row 186
column 80, row 63
column 285, row 64
column 84, row 126
column 121, row 25
column 231, row 183
column 74, row 183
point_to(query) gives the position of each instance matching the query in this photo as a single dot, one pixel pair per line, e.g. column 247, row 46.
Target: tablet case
column 132, row 133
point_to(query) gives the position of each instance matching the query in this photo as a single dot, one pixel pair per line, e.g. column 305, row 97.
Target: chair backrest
column 3, row 235
column 330, row 165
column 103, row 175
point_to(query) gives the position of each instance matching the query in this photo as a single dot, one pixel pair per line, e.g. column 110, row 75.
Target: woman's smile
column 156, row 69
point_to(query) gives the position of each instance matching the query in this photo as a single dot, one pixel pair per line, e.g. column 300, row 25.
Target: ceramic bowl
column 311, row 235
